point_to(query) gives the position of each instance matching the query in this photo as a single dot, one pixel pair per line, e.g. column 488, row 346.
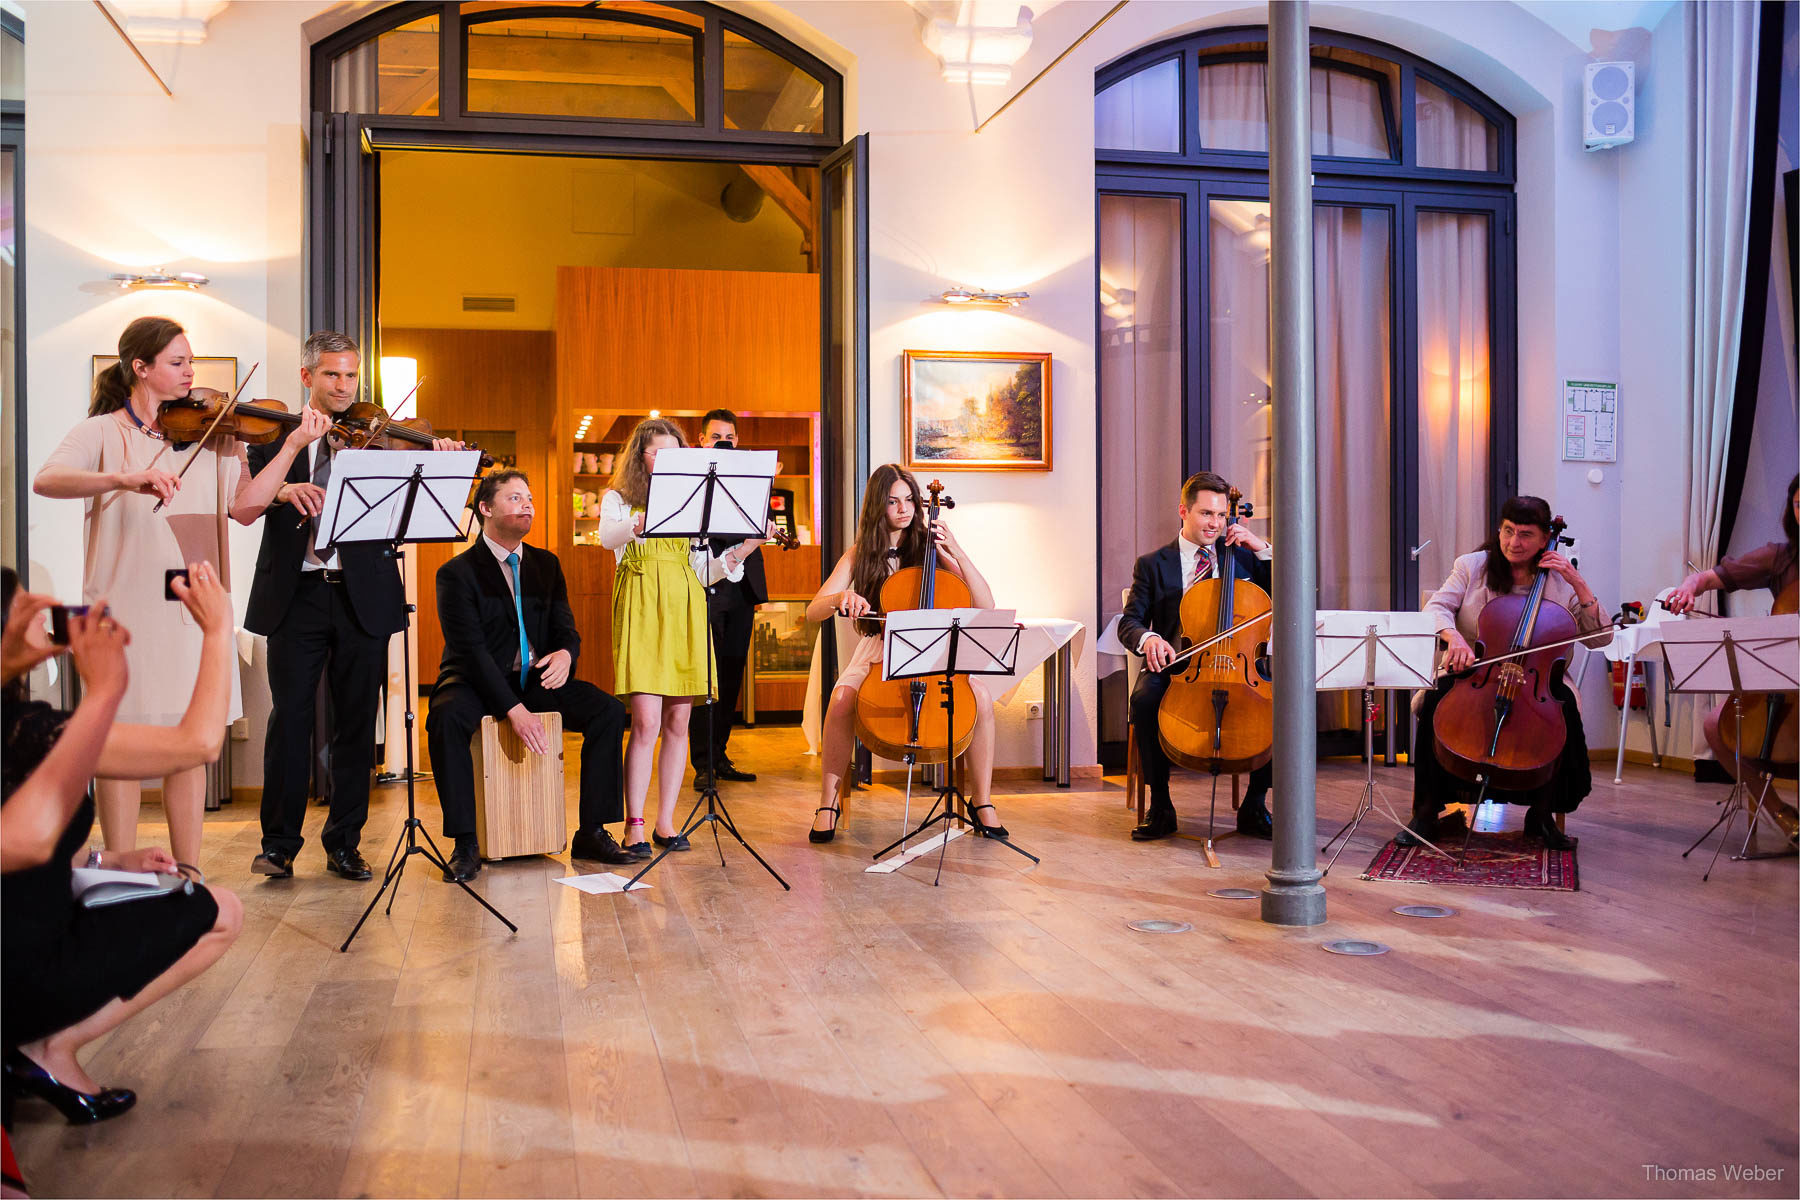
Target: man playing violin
column 1508, row 562
column 1152, row 626
column 325, row 617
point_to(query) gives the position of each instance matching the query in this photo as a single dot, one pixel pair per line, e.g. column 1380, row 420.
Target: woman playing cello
column 890, row 535
column 1508, row 563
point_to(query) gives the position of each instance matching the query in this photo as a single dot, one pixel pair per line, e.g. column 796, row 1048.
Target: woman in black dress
column 71, row 974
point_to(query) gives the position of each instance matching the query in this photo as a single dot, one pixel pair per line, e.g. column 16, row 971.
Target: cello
column 892, row 718
column 1218, row 714
column 1497, row 723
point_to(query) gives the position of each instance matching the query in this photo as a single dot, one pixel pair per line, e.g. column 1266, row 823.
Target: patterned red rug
column 1506, row 860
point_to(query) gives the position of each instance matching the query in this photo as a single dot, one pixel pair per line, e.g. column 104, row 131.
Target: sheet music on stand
column 365, row 497
column 737, row 506
column 1370, row 652
column 916, row 642
column 1754, row 655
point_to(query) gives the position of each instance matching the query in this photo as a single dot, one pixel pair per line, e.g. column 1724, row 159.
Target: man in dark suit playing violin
column 510, row 646
column 1151, row 626
column 329, row 617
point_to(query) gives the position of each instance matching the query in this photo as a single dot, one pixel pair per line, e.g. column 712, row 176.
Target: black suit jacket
column 1154, row 605
column 481, row 630
column 371, row 579
column 748, row 592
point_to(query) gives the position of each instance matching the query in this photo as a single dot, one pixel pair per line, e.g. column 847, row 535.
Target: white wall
column 1012, row 207
column 122, row 177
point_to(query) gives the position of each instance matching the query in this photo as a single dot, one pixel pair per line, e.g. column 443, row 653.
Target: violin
column 891, row 717
column 1218, row 714
column 204, row 412
column 1497, row 723
column 1758, row 729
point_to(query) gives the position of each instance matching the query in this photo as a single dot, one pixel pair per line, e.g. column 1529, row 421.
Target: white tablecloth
column 1635, row 639
column 1038, row 640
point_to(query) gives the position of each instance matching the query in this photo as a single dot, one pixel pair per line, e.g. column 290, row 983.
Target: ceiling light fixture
column 162, row 277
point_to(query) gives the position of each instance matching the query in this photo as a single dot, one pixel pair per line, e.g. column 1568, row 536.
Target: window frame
column 12, row 136
column 521, row 132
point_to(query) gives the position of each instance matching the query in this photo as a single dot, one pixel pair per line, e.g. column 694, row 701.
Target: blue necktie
column 512, row 561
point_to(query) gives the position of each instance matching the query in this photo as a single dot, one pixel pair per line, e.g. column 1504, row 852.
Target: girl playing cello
column 890, row 535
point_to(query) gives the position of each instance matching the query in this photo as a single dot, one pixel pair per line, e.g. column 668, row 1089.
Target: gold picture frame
column 976, row 410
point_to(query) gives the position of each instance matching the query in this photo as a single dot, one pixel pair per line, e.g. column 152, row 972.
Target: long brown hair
column 1520, row 510
column 142, row 341
column 631, row 480
column 869, row 563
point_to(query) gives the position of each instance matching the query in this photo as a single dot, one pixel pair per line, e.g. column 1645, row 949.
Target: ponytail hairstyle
column 1520, row 510
column 142, row 341
column 631, row 480
column 869, row 562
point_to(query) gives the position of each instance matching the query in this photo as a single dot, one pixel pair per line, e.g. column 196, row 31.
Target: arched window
column 621, row 68
column 1414, row 310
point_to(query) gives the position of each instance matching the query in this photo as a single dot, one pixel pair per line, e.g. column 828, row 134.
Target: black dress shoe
column 274, row 864
column 704, row 781
column 819, row 837
column 1541, row 825
column 640, row 851
column 728, row 771
column 598, row 845
column 348, row 864
column 465, row 862
column 1253, row 821
column 1160, row 824
column 678, row 842
column 78, row 1108
column 980, row 830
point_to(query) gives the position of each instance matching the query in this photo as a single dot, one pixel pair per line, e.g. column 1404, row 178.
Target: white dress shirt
column 313, row 562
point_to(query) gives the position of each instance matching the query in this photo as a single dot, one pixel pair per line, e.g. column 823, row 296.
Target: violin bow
column 387, row 414
column 1217, row 638
column 1612, row 626
column 225, row 410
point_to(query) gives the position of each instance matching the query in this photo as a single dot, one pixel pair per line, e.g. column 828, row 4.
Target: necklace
column 148, row 431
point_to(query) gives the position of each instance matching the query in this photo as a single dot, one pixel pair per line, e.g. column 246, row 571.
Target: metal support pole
column 1294, row 895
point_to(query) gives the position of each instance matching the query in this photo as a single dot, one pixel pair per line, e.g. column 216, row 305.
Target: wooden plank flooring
column 1003, row 1034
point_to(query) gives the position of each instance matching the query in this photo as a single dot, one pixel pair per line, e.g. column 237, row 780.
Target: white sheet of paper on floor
column 918, row 851
column 600, row 883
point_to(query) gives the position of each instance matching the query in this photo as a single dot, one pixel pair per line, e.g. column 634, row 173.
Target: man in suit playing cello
column 1151, row 627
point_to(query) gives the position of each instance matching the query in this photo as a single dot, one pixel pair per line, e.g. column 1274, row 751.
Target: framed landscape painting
column 977, row 410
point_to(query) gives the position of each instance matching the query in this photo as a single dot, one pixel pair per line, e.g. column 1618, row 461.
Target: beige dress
column 128, row 549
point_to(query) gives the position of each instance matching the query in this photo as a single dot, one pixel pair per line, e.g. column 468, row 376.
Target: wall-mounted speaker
column 1609, row 105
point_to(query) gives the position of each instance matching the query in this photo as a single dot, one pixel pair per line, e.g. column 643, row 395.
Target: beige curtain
column 1450, row 133
column 1346, row 111
column 1455, row 387
column 1723, row 88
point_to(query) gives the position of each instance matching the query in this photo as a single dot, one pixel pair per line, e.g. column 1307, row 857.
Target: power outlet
column 1034, row 711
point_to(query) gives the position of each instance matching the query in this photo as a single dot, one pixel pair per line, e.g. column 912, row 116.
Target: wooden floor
column 1003, row 1034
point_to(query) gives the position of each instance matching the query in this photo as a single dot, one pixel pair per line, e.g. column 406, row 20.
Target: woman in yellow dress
column 661, row 647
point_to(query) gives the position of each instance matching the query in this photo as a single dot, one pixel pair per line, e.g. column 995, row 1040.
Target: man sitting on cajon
column 509, row 653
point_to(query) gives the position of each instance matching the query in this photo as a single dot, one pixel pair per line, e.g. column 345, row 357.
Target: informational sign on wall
column 1590, row 421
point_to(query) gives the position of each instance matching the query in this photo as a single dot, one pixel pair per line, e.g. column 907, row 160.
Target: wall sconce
column 960, row 295
column 398, row 375
column 162, row 277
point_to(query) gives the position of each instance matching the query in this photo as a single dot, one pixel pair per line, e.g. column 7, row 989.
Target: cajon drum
column 518, row 794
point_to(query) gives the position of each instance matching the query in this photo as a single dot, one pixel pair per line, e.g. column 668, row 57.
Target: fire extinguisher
column 1639, row 698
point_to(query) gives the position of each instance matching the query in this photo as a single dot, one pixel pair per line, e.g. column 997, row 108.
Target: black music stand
column 1368, row 651
column 374, row 496
column 942, row 643
column 702, row 494
column 1757, row 655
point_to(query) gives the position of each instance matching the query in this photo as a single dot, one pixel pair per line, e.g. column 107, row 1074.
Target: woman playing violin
column 119, row 463
column 1508, row 562
column 890, row 535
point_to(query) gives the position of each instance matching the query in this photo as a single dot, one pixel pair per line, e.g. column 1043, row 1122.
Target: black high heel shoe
column 78, row 1108
column 821, row 836
column 980, row 830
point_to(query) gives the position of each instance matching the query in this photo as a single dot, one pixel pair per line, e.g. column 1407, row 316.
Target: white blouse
column 616, row 533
